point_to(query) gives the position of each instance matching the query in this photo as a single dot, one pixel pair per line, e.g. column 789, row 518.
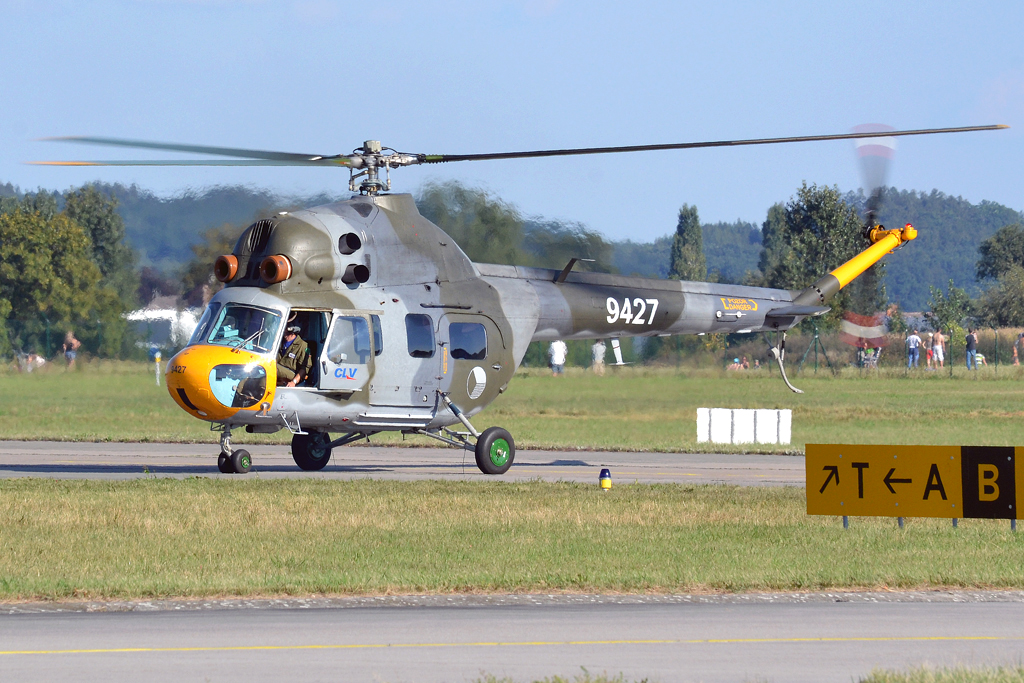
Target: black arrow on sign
column 889, row 481
column 833, row 473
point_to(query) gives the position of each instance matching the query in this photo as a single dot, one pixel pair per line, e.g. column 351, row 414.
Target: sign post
column 950, row 482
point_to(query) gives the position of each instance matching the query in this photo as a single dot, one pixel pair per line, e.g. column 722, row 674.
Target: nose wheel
column 231, row 461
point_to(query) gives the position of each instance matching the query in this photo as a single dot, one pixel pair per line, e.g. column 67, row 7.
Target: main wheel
column 241, row 461
column 311, row 451
column 224, row 464
column 495, row 451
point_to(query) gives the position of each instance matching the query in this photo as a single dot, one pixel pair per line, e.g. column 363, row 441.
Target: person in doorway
column 597, row 351
column 293, row 360
column 972, row 349
column 939, row 349
column 556, row 355
column 913, row 349
column 71, row 346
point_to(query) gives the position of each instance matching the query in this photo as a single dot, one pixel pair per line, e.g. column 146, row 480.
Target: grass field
column 962, row 674
column 633, row 408
column 202, row 537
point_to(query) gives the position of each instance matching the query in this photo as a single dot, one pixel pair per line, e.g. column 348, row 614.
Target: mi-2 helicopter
column 406, row 333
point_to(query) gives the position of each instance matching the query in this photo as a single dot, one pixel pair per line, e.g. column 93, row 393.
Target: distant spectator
column 757, row 364
column 597, row 351
column 735, row 365
column 1019, row 342
column 972, row 349
column 928, row 352
column 557, row 353
column 938, row 349
column 70, row 347
column 913, row 349
column 745, row 363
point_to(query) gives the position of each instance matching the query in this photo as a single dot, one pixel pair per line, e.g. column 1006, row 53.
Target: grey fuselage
column 417, row 269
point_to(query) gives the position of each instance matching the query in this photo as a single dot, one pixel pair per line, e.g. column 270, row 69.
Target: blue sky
column 320, row 76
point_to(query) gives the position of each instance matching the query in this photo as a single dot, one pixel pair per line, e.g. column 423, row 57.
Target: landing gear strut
column 495, row 449
column 231, row 461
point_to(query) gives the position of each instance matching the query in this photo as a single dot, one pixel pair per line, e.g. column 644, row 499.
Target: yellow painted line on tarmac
column 536, row 643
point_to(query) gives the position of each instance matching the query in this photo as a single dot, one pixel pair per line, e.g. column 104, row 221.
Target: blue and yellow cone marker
column 606, row 479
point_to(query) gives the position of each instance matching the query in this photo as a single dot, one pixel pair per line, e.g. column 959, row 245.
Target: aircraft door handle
column 496, row 366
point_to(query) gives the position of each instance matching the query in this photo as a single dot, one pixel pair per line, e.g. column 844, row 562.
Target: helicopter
column 405, row 332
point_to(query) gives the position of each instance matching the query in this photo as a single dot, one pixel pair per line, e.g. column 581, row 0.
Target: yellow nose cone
column 215, row 382
column 909, row 232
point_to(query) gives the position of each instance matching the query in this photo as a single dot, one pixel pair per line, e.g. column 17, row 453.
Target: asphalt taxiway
column 819, row 638
column 70, row 460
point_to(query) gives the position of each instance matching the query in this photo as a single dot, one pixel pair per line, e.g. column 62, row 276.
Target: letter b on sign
column 988, row 489
column 988, row 482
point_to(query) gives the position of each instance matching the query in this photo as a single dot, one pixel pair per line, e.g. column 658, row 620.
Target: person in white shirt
column 913, row 349
column 557, row 353
column 597, row 351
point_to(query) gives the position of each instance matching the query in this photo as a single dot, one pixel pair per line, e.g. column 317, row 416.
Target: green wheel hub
column 499, row 452
column 246, row 461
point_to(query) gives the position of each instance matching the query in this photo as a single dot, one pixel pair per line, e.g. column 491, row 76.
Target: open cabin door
column 346, row 361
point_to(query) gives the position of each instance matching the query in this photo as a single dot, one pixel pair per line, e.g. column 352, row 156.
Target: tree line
column 80, row 259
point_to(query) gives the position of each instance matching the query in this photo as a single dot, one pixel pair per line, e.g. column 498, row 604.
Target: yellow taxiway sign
column 913, row 481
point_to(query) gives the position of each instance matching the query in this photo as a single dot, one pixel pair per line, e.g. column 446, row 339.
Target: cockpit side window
column 254, row 329
column 203, row 328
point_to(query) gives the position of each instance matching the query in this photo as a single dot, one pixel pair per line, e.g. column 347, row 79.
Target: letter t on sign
column 860, row 466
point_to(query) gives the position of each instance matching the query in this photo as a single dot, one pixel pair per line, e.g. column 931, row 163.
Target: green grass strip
column 201, row 537
column 1014, row 674
column 631, row 409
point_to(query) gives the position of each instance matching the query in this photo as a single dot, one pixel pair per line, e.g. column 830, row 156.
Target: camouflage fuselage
column 414, row 268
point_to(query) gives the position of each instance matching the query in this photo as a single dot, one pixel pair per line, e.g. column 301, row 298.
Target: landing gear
column 495, row 451
column 311, row 451
column 231, row 461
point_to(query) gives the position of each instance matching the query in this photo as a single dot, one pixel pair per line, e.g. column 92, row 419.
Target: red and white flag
column 864, row 331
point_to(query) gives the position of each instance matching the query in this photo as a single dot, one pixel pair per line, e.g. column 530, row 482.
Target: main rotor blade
column 193, row 149
column 441, row 158
column 330, row 161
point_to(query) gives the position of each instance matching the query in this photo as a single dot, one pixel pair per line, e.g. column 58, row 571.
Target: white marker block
column 703, row 425
column 743, row 426
column 766, row 426
column 785, row 426
column 721, row 425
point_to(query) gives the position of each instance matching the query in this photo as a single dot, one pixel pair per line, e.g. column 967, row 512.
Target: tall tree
column 97, row 213
column 950, row 310
column 1003, row 305
column 688, row 262
column 49, row 284
column 1001, row 252
column 818, row 232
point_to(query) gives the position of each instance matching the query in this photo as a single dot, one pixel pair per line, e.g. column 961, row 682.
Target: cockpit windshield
column 247, row 327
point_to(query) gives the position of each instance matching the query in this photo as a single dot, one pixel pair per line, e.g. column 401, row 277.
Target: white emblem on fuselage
column 476, row 383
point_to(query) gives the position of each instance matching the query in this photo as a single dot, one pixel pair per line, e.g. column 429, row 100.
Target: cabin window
column 350, row 341
column 378, row 336
column 253, row 329
column 420, row 331
column 468, row 341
